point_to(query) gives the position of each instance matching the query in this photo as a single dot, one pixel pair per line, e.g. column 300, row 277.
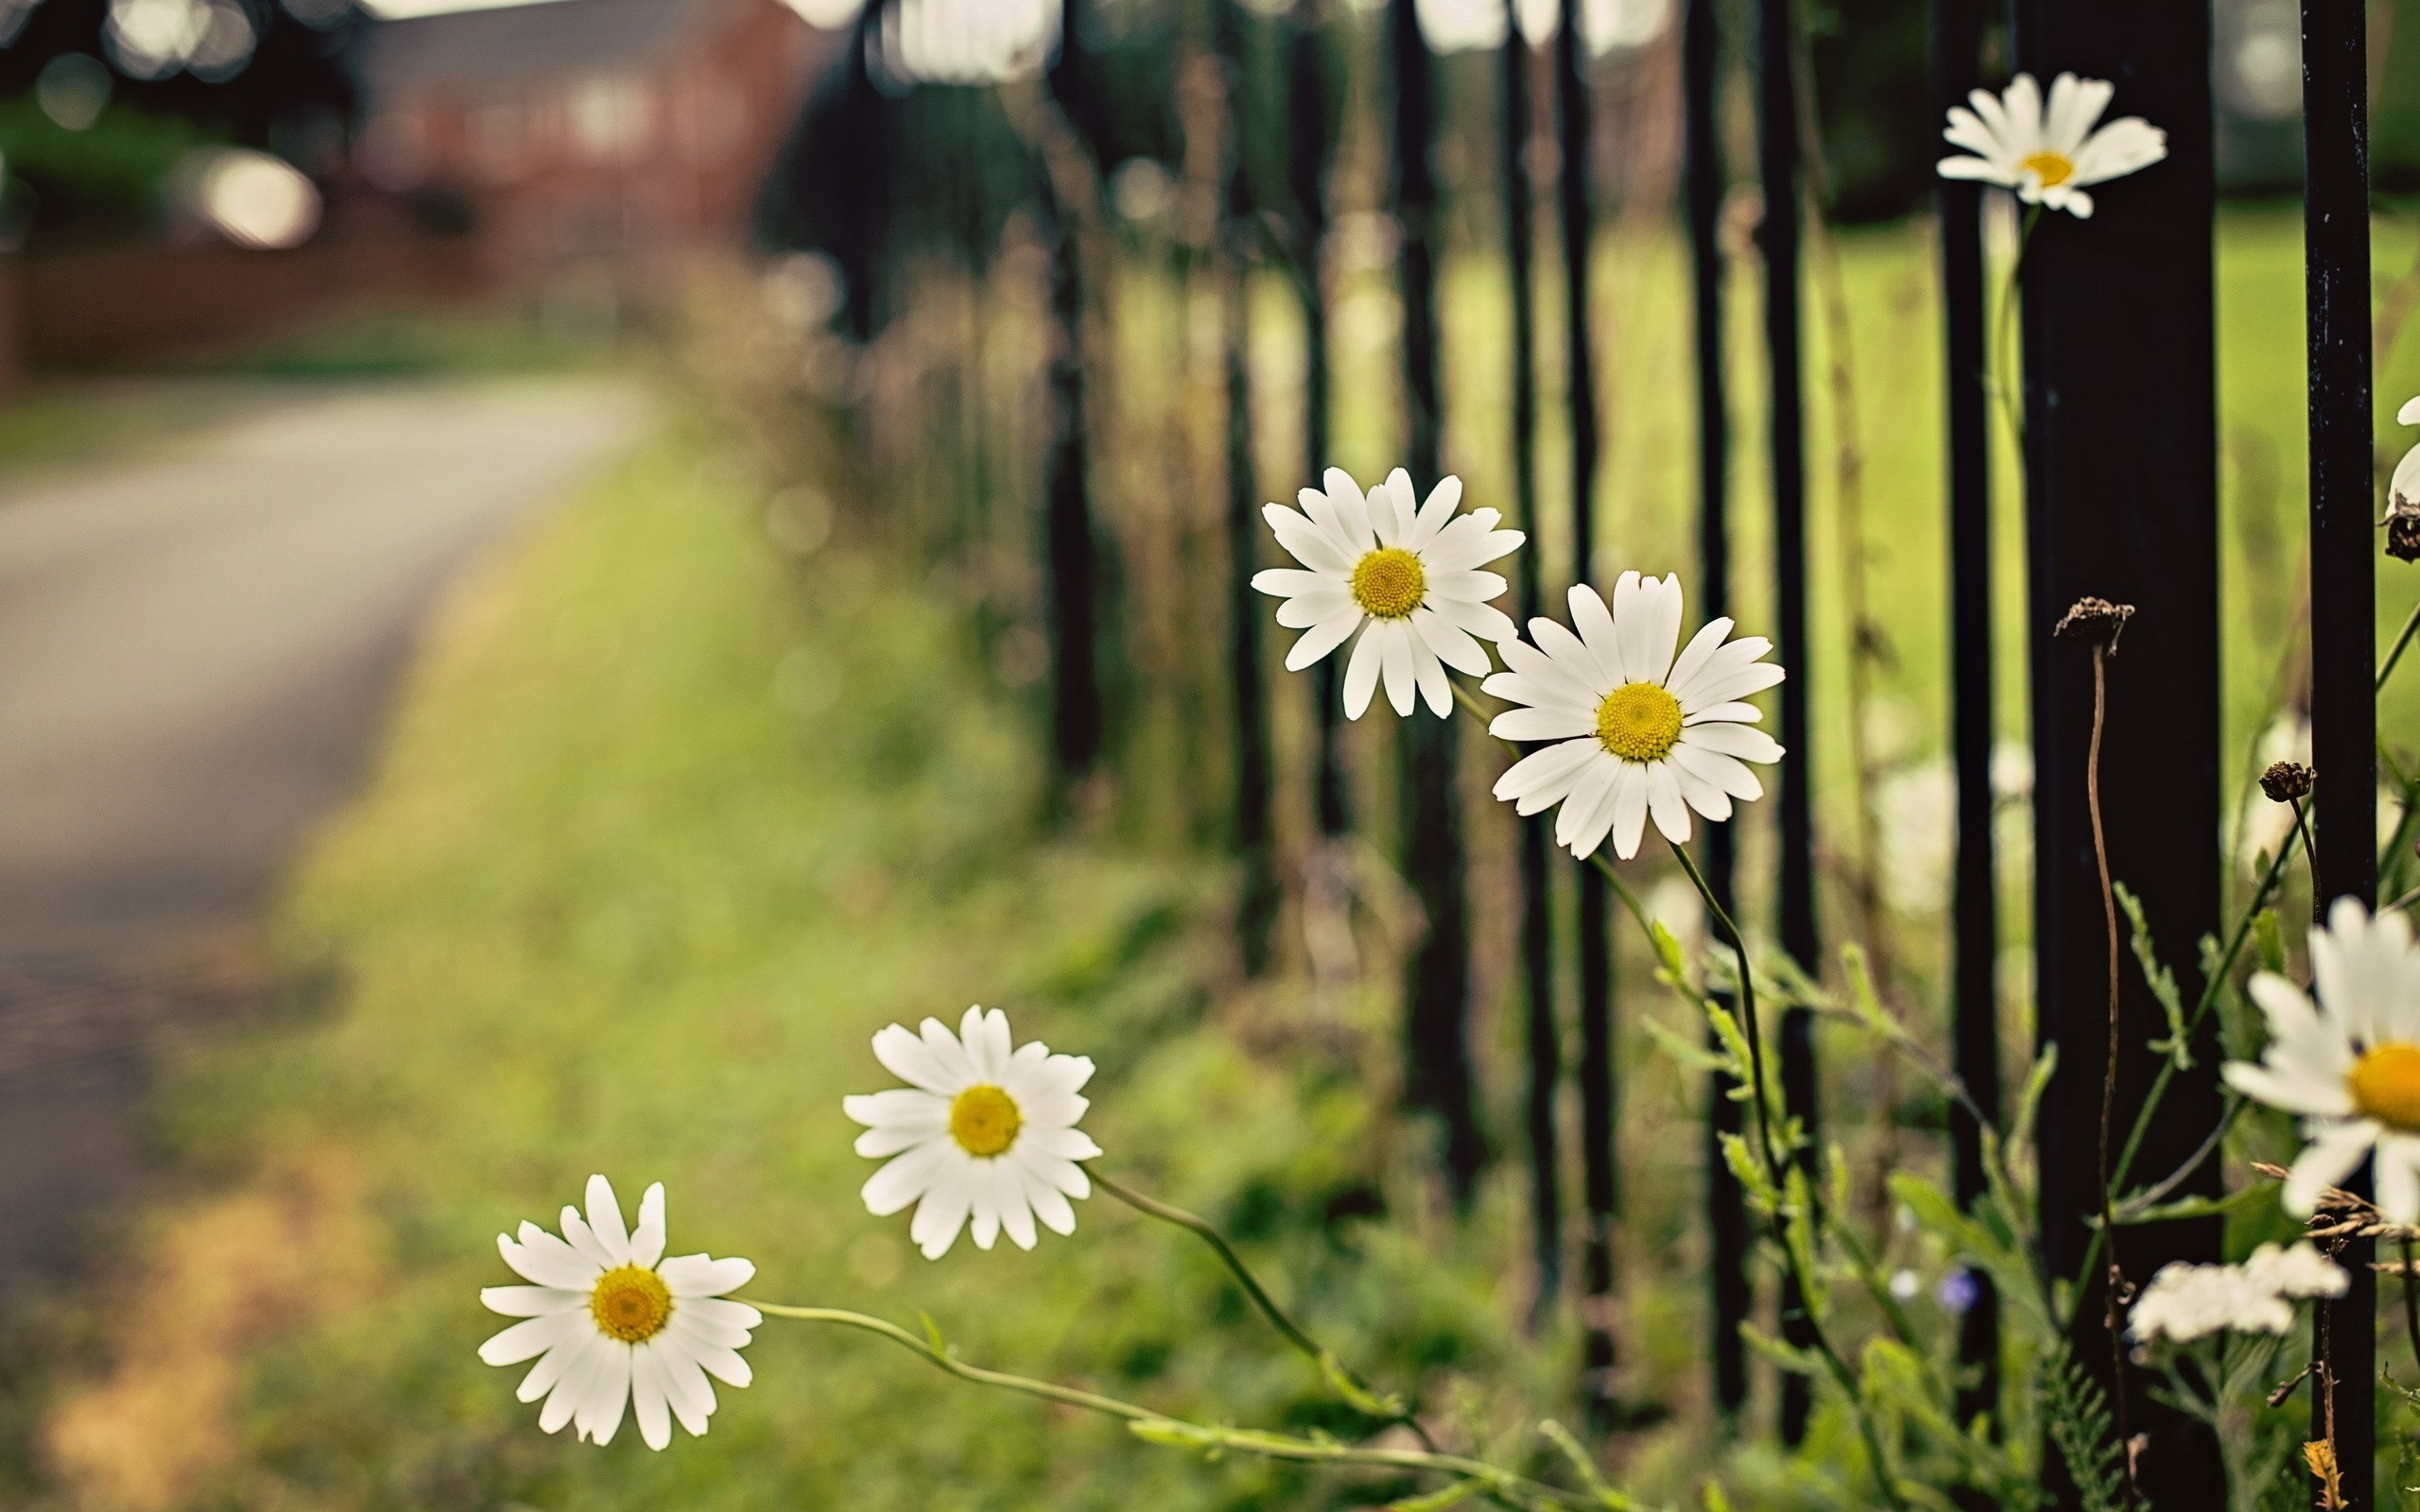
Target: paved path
column 195, row 653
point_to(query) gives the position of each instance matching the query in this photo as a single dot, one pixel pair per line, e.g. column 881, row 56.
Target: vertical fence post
column 1256, row 895
column 1777, row 152
column 2343, row 597
column 1730, row 1297
column 1071, row 569
column 2121, row 449
column 1957, row 49
column 1308, row 146
column 1438, row 1075
column 1544, row 1044
column 1599, row 1099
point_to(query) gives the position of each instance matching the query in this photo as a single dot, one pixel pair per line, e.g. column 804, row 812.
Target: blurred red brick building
column 587, row 138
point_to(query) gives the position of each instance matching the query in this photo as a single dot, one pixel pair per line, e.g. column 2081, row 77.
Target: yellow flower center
column 1389, row 583
column 1639, row 722
column 2385, row 1084
column 984, row 1121
column 633, row 1303
column 2052, row 168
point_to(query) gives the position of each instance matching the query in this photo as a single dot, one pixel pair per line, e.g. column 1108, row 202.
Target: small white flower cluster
column 2188, row 1302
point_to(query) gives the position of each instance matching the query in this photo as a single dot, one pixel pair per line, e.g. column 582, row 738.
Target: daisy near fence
column 2088, row 1345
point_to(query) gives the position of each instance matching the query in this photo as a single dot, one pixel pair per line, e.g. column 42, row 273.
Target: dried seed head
column 2095, row 622
column 2286, row 782
column 2402, row 528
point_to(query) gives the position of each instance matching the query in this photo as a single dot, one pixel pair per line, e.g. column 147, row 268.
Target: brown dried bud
column 2286, row 782
column 2095, row 622
column 2402, row 528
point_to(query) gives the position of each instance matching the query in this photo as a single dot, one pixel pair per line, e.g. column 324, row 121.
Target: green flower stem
column 1158, row 1428
column 2394, row 652
column 1359, row 1394
column 1838, row 1368
column 1842, row 1375
column 2210, row 989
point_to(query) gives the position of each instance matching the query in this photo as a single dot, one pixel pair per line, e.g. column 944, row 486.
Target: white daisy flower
column 1638, row 732
column 612, row 1322
column 2188, row 1302
column 2048, row 156
column 979, row 1133
column 1411, row 575
column 2349, row 1065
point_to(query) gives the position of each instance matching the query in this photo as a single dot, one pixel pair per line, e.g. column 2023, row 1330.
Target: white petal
column 647, row 1242
column 1394, row 647
column 988, row 1042
column 2398, row 1178
column 1361, row 673
column 533, row 1337
column 650, row 1395
column 1553, row 722
column 907, row 1177
column 2294, row 1095
column 530, row 1301
column 2409, row 413
column 605, row 1216
column 549, row 1372
column 943, row 1210
column 1352, row 509
column 1322, row 638
column 1665, row 802
column 910, row 1058
column 1305, row 542
column 693, row 1400
column 1587, row 803
column 582, row 1364
column 1630, row 810
column 701, row 1276
column 1598, row 629
column 2327, row 1159
column 585, row 1239
column 1293, row 582
column 1545, row 775
column 608, row 1396
column 1442, row 501
column 1748, row 743
column 1431, row 672
column 546, row 1259
column 1982, row 168
column 1450, row 644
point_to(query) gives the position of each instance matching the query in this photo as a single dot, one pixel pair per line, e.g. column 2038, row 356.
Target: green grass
column 612, row 904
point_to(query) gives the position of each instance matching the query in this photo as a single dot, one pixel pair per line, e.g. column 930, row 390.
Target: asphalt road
column 196, row 651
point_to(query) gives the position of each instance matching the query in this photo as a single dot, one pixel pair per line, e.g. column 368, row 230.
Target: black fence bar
column 1438, row 1076
column 1254, row 760
column 1537, row 901
column 1730, row 1297
column 1310, row 138
column 1975, row 1051
column 1600, row 1091
column 1071, row 568
column 1778, row 163
column 2343, row 561
column 2121, row 447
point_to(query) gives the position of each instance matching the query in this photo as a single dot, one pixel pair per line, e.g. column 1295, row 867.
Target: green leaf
column 1357, row 1396
column 1453, row 1495
column 2267, row 941
column 2161, row 980
column 2188, row 1208
column 1695, row 1056
column 1668, row 948
column 1789, row 1356
column 2029, row 1100
column 933, row 1334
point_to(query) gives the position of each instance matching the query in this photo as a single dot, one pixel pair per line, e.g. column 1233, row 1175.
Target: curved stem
column 1161, row 1428
column 1358, row 1393
column 2394, row 652
column 2116, row 1278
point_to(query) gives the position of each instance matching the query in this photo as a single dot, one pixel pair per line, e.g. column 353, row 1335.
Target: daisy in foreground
column 1638, row 732
column 611, row 1323
column 979, row 1132
column 1410, row 576
column 2350, row 1064
column 2048, row 156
